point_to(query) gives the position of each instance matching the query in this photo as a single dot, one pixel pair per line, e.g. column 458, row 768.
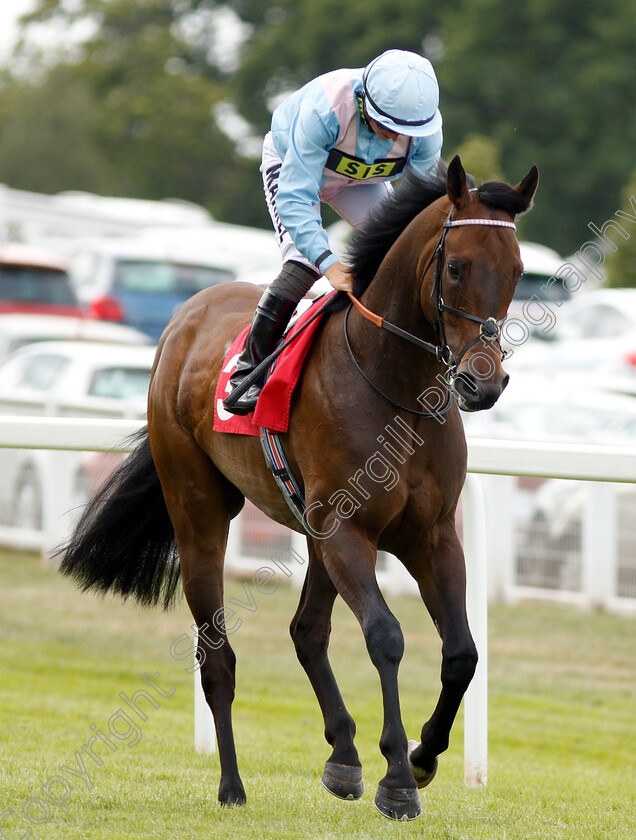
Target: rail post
column 204, row 734
column 476, row 698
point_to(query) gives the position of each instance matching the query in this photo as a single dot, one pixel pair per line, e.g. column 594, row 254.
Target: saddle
column 274, row 404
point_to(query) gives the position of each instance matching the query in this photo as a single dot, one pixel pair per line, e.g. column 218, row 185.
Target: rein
column 490, row 328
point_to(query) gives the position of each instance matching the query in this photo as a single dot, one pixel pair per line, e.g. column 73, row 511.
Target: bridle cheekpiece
column 490, row 328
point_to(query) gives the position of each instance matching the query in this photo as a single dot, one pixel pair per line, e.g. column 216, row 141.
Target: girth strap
column 283, row 475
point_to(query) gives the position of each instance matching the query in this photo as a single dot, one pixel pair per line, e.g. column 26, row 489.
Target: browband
column 491, row 222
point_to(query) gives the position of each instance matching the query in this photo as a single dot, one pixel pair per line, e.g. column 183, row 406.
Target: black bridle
column 490, row 328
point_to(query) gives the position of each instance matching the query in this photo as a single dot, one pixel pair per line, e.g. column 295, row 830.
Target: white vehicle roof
column 92, row 353
column 244, row 249
column 15, row 253
column 73, row 385
column 624, row 299
column 159, row 248
column 137, row 211
column 27, row 328
column 538, row 259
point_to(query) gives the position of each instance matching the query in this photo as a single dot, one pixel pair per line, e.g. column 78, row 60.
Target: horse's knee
column 384, row 639
column 459, row 667
column 218, row 668
column 310, row 639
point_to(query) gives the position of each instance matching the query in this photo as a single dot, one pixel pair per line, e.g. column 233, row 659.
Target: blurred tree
column 129, row 112
column 49, row 143
column 480, row 157
column 295, row 40
column 551, row 82
column 621, row 264
column 545, row 81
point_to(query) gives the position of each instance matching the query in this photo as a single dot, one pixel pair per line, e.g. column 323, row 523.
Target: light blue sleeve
column 425, row 153
column 310, row 137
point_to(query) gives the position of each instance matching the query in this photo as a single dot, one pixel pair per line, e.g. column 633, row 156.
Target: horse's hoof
column 343, row 781
column 232, row 798
column 422, row 777
column 235, row 801
column 398, row 803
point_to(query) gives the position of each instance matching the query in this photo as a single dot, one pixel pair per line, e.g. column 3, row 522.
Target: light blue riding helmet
column 401, row 93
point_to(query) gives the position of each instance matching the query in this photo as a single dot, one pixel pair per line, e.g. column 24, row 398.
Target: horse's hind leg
column 310, row 630
column 441, row 577
column 201, row 503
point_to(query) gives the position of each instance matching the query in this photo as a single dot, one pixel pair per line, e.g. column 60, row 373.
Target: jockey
column 340, row 139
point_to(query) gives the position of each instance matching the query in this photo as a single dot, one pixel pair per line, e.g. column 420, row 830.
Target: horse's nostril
column 504, row 381
column 475, row 394
column 466, row 386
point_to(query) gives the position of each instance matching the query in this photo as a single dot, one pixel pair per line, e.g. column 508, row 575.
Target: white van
column 539, row 265
column 140, row 283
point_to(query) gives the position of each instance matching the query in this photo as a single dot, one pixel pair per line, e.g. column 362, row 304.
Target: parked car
column 35, row 280
column 545, row 405
column 540, row 264
column 76, row 379
column 244, row 250
column 17, row 330
column 594, row 331
column 140, row 283
column 562, row 407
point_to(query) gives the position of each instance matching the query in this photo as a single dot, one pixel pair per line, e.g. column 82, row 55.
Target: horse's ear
column 528, row 186
column 456, row 185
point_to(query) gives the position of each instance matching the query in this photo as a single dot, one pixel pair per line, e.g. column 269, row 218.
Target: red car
column 35, row 281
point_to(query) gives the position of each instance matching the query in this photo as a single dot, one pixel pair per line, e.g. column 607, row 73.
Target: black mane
column 370, row 243
column 500, row 196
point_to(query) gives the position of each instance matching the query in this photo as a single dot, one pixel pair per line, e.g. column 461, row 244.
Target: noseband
column 490, row 328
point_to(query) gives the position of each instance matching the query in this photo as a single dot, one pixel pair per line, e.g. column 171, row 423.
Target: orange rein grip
column 378, row 320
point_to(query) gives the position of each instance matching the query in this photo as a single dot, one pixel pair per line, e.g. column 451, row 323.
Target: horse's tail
column 124, row 541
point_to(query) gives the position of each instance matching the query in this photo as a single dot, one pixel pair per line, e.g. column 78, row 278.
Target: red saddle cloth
column 274, row 403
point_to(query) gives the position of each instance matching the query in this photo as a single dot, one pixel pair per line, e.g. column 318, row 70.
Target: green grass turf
column 562, row 740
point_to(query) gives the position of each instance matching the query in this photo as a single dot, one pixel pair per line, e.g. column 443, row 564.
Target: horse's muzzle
column 475, row 394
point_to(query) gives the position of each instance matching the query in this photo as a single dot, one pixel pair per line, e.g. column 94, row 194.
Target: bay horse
column 440, row 262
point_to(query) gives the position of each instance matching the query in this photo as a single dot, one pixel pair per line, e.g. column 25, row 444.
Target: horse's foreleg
column 441, row 577
column 201, row 502
column 310, row 630
column 350, row 560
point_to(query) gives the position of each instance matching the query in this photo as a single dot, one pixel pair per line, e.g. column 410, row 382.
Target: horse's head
column 477, row 266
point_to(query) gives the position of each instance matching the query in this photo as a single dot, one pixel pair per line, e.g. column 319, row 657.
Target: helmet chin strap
column 362, row 108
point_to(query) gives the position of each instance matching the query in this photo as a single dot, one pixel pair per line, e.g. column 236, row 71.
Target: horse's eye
column 453, row 270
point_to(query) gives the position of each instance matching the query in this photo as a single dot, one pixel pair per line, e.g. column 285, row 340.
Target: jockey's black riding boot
column 270, row 319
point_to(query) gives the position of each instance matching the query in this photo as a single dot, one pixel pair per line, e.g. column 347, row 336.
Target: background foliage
column 131, row 108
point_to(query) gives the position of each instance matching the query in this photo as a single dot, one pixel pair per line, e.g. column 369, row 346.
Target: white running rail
column 520, row 458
